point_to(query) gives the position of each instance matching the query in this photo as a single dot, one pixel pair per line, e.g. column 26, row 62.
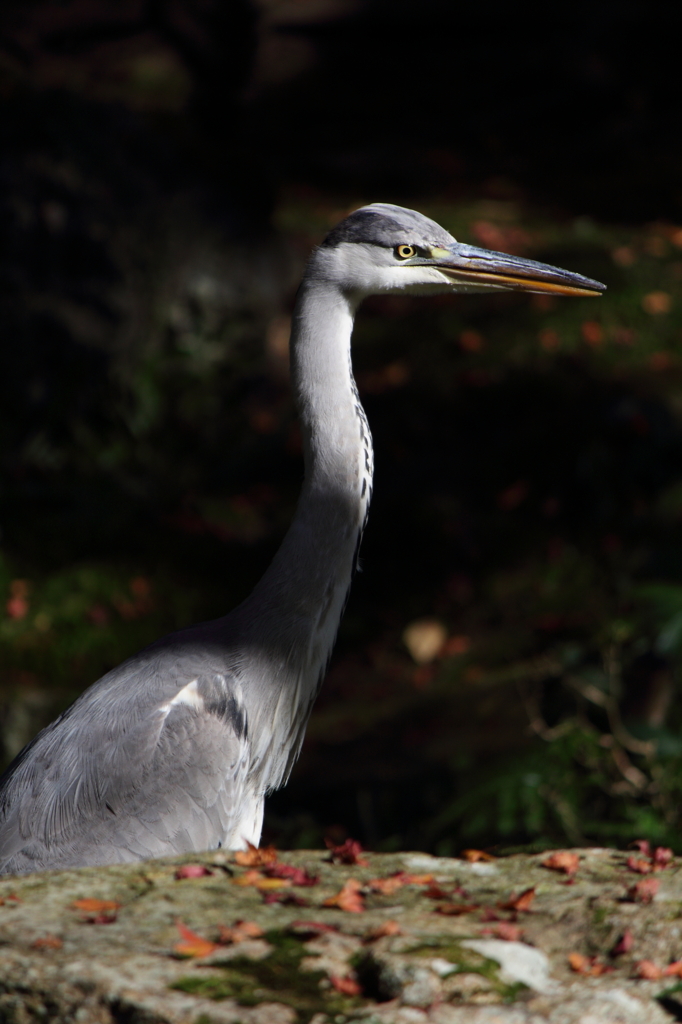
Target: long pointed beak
column 479, row 268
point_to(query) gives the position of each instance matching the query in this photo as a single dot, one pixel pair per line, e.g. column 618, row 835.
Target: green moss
column 469, row 962
column 277, row 978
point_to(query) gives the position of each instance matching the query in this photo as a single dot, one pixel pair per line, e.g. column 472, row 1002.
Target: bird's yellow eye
column 405, row 252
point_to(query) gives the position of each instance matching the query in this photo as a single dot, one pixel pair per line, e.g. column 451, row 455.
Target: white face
column 366, row 269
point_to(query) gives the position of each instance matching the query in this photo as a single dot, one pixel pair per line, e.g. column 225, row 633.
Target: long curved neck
column 299, row 601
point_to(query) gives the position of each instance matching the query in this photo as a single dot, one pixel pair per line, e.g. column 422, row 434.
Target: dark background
column 164, row 170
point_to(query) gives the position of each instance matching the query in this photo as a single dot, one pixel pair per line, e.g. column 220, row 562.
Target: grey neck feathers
column 294, row 611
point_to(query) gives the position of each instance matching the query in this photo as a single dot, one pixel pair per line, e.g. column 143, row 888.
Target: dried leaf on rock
column 386, row 929
column 455, row 909
column 312, row 927
column 348, row 898
column 258, row 880
column 97, row 911
column 192, row 871
column 47, row 942
column 662, row 858
column 642, row 867
column 253, row 857
column 562, row 860
column 297, row 876
column 648, row 970
column 475, row 855
column 588, row 965
column 347, row 853
column 521, row 902
column 644, row 890
column 505, row 930
column 624, row 944
column 348, row 985
column 193, row 945
column 386, row 886
column 239, row 932
column 643, row 845
column 287, row 897
column 674, row 969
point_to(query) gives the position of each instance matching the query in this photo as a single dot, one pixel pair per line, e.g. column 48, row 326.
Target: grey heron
column 175, row 750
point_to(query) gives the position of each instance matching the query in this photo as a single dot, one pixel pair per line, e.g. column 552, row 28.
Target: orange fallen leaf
column 259, row 881
column 564, row 861
column 648, row 970
column 588, row 965
column 348, row 985
column 455, row 909
column 386, row 886
column 253, row 857
column 348, row 898
column 674, row 968
column 239, row 932
column 642, row 867
column 521, row 902
column 644, row 890
column 312, row 927
column 475, row 855
column 385, row 929
column 193, row 944
column 97, row 911
column 47, row 942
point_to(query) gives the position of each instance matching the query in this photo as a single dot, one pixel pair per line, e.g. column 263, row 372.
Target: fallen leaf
column 258, row 880
column 192, row 944
column 624, row 944
column 505, row 930
column 435, row 892
column 312, row 927
column 588, row 965
column 97, row 911
column 253, row 857
column 424, row 639
column 644, row 890
column 489, row 914
column 192, row 871
column 642, row 845
column 415, row 879
column 387, row 928
column 662, row 858
column 386, row 886
column 239, row 932
column 348, row 898
column 674, row 968
column 347, row 853
column 649, row 970
column 348, row 985
column 475, row 855
column 564, row 861
column 643, row 867
column 521, row 902
column 297, row 876
column 47, row 942
column 455, row 909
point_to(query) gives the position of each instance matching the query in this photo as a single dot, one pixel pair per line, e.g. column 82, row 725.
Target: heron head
column 384, row 248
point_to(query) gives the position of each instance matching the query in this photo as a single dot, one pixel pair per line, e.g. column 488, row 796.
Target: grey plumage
column 174, row 750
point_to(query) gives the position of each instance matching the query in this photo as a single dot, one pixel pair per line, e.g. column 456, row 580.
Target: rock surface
column 423, row 940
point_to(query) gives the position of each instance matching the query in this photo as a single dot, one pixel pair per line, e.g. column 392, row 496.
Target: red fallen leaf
column 563, row 860
column 10, row 898
column 287, row 898
column 312, row 927
column 348, row 898
column 475, row 855
column 644, row 890
column 254, row 857
column 521, row 902
column 505, row 930
column 662, row 857
column 192, row 871
column 192, row 944
column 239, row 932
column 387, row 928
column 434, row 892
column 455, row 909
column 413, row 879
column 643, row 846
column 624, row 944
column 649, row 970
column 347, row 853
column 642, row 867
column 348, row 985
column 47, row 942
column 674, row 968
column 297, row 876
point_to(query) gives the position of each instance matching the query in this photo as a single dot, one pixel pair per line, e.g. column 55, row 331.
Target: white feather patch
column 188, row 695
